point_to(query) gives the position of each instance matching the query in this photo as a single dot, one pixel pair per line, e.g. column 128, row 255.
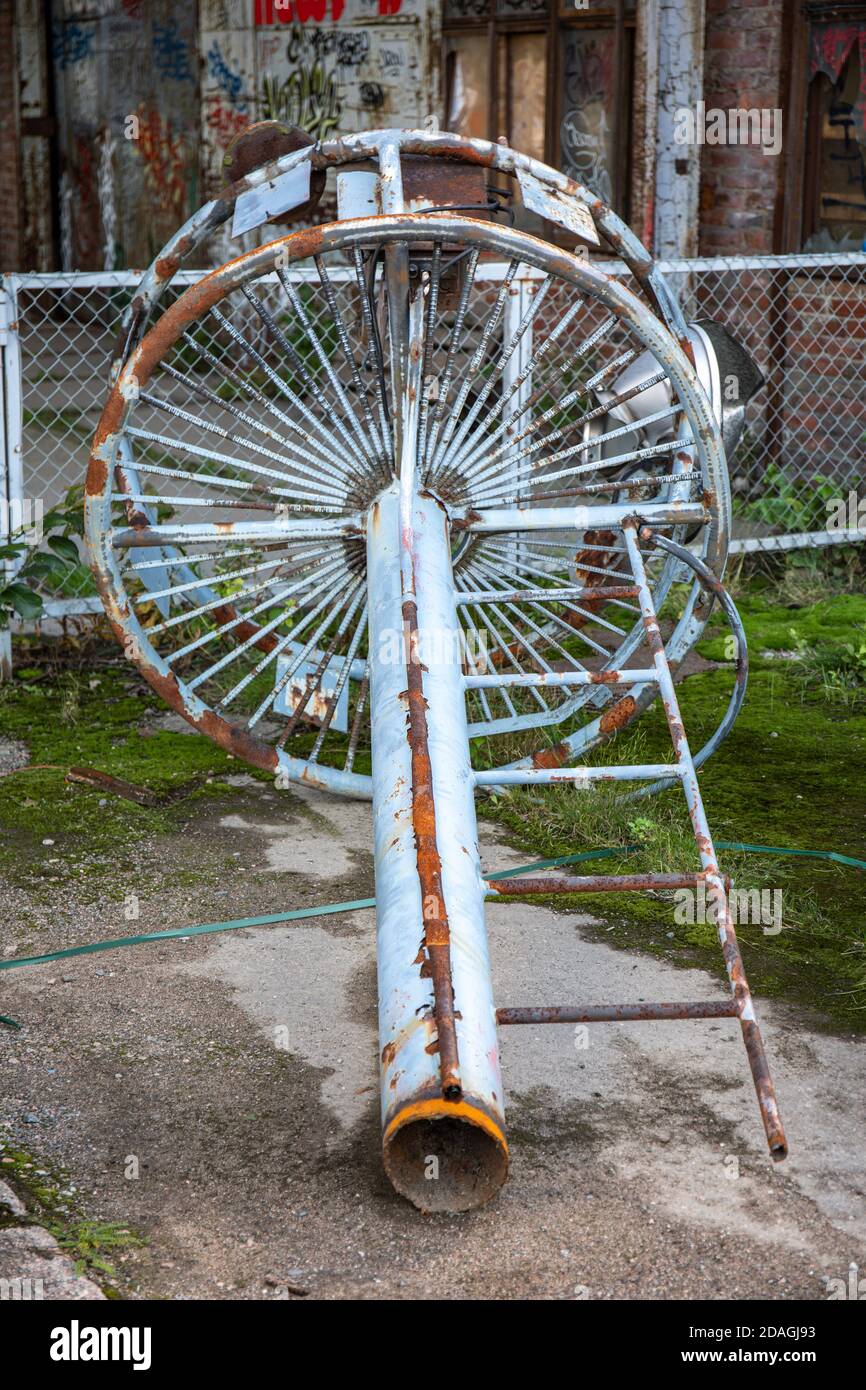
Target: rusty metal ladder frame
column 740, row 1004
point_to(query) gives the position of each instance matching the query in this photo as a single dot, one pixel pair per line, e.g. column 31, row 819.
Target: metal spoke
column 594, row 617
column 367, row 453
column 173, row 561
column 268, row 627
column 581, row 421
column 484, row 500
column 284, row 529
column 474, row 364
column 151, row 595
column 498, row 551
column 326, row 604
column 474, row 448
column 488, row 660
column 529, row 473
column 224, row 629
column 345, row 344
column 216, row 479
column 508, row 654
column 327, row 413
column 342, row 678
column 374, row 344
column 453, row 348
column 211, row 427
column 325, row 452
column 539, row 631
column 470, row 666
column 357, row 589
column 429, row 331
column 505, row 355
column 226, row 600
column 145, row 499
column 619, row 485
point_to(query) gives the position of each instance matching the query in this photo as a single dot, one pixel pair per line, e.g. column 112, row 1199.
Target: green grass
column 91, row 720
column 90, row 1243
column 770, row 626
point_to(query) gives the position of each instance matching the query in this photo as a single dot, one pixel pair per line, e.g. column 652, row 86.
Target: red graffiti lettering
column 266, row 12
column 311, row 9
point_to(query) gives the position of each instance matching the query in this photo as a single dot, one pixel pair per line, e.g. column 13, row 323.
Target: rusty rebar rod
column 619, row 1013
column 519, row 886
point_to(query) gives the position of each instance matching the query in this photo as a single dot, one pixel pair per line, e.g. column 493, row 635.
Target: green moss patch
column 93, row 721
column 50, row 1203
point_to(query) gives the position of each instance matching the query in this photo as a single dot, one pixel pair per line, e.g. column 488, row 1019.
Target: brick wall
column 11, row 230
column 742, row 68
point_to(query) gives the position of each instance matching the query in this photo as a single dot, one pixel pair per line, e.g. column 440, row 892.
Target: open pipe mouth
column 444, row 1156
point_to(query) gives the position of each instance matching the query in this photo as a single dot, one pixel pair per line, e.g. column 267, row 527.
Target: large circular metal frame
column 113, row 472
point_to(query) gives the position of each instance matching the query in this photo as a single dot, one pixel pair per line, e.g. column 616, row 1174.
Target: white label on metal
column 568, row 212
column 358, row 194
column 269, row 199
column 293, row 692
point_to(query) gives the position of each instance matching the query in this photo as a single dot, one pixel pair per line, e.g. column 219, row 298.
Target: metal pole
column 11, row 460
column 442, row 1107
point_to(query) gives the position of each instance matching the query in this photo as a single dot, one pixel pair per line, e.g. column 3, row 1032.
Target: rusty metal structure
column 404, row 558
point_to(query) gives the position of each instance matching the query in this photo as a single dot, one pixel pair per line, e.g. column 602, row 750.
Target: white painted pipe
column 443, row 1154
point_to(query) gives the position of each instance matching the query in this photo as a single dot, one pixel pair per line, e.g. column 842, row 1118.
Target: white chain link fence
column 802, row 318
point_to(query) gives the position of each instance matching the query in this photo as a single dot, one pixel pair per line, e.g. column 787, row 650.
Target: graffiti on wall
column 301, row 11
column 320, row 63
column 125, row 76
column 585, row 134
column 151, row 94
column 165, row 158
column 325, row 65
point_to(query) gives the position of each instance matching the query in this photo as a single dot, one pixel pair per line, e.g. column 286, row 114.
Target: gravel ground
column 219, row 1095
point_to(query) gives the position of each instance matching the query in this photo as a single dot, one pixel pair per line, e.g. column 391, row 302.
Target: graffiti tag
column 229, row 82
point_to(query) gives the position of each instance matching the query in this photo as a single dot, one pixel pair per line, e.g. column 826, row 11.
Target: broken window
column 553, row 79
column 835, row 167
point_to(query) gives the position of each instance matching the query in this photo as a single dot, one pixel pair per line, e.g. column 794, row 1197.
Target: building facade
column 714, row 127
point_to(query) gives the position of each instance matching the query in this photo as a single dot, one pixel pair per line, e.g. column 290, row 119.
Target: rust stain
column 437, row 936
column 604, row 559
column 167, row 266
column 551, row 757
column 618, row 715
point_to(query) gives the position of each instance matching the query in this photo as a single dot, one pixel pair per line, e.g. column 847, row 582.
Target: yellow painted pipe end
column 445, row 1155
